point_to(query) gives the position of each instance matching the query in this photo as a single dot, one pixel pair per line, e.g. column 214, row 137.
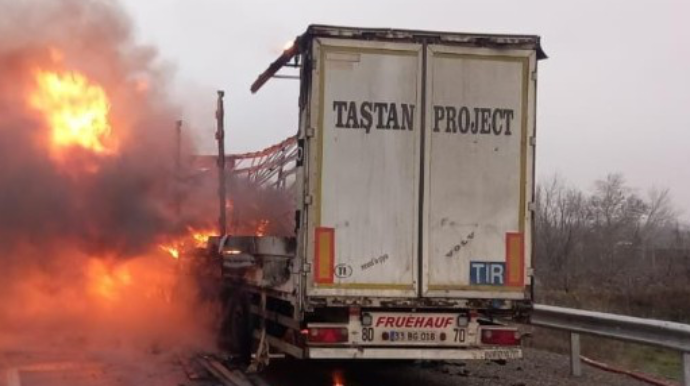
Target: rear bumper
column 492, row 353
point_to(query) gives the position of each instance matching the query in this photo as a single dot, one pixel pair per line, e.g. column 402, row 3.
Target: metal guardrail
column 675, row 336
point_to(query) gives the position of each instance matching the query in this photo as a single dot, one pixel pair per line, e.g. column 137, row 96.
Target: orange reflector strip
column 515, row 259
column 324, row 255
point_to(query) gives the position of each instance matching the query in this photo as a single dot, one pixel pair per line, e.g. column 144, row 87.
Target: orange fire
column 200, row 236
column 76, row 110
column 108, row 282
column 172, row 250
column 194, row 239
column 338, row 379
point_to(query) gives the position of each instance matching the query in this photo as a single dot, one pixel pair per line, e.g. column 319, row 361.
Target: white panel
column 475, row 189
column 368, row 190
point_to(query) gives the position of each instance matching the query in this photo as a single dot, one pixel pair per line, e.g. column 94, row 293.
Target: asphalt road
column 147, row 369
column 538, row 368
column 82, row 368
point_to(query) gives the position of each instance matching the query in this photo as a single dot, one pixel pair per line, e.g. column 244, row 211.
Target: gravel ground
column 538, row 368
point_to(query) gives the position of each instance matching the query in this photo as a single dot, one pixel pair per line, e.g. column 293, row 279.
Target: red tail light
column 501, row 336
column 327, row 335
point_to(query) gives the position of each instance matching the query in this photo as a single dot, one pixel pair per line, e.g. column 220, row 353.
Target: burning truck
column 412, row 185
column 396, row 224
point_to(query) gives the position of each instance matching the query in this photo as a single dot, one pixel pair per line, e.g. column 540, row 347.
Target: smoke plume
column 82, row 213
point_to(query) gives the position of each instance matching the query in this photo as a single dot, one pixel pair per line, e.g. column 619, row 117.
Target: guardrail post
column 686, row 368
column 575, row 364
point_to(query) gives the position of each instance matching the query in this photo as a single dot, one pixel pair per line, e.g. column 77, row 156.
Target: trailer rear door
column 478, row 172
column 401, row 209
column 366, row 145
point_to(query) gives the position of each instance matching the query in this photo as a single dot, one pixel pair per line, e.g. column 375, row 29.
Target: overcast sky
column 614, row 96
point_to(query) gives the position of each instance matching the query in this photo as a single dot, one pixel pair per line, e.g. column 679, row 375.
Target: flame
column 338, row 379
column 75, row 109
column 172, row 250
column 108, row 282
column 200, row 237
column 193, row 239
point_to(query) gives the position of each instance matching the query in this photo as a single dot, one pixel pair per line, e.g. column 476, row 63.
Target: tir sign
column 487, row 273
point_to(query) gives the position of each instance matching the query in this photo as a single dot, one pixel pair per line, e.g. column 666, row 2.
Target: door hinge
column 534, row 75
column 532, row 206
column 308, row 199
column 533, row 141
column 306, row 267
column 310, row 132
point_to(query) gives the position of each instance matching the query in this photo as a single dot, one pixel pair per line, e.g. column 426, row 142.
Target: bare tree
column 561, row 219
column 659, row 216
column 616, row 213
column 615, row 208
column 612, row 248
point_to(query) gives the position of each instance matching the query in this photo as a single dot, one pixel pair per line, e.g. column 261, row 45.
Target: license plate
column 414, row 336
column 414, row 329
column 503, row 354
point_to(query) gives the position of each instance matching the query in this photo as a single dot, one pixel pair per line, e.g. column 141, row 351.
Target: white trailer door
column 478, row 172
column 365, row 152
